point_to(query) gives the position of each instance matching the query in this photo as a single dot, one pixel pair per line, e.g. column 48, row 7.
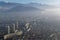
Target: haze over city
column 29, row 19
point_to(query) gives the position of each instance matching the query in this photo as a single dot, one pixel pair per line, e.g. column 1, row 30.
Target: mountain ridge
column 4, row 7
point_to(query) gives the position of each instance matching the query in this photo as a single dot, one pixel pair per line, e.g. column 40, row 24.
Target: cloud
column 39, row 1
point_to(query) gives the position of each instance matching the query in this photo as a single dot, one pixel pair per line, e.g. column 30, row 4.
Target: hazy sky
column 38, row 1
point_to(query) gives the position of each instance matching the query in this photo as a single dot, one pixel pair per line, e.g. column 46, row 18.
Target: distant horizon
column 51, row 2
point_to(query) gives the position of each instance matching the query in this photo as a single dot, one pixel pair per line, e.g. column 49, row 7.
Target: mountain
column 6, row 6
column 15, row 7
column 21, row 8
column 37, row 5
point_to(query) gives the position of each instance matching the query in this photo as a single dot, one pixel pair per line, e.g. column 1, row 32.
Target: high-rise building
column 14, row 27
column 17, row 25
column 27, row 27
column 8, row 29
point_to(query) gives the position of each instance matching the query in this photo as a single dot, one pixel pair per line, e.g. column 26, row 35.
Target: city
column 23, row 31
column 29, row 19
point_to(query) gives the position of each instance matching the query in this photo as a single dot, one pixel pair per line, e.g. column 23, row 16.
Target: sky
column 36, row 1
